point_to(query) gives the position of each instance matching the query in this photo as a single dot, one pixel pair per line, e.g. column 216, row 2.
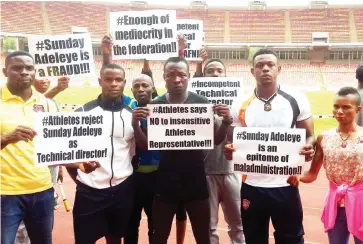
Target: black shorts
column 101, row 212
column 280, row 204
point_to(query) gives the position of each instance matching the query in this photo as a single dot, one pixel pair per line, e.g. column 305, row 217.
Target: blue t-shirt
column 145, row 161
column 129, row 101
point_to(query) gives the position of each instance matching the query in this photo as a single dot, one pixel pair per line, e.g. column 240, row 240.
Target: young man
column 223, row 184
column 359, row 76
column 267, row 196
column 56, row 172
column 104, row 197
column 181, row 176
column 42, row 86
column 181, row 216
column 26, row 191
column 145, row 168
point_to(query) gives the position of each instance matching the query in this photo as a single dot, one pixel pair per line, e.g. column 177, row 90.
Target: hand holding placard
column 20, row 133
column 89, row 167
column 271, row 151
column 139, row 114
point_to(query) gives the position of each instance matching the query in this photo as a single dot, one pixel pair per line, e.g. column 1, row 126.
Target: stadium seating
column 250, row 26
column 358, row 17
column 239, row 25
column 63, row 16
column 338, row 75
column 22, row 17
column 305, row 22
column 213, row 22
column 246, row 26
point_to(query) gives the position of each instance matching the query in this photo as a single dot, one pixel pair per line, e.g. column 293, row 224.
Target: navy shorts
column 280, row 204
column 101, row 212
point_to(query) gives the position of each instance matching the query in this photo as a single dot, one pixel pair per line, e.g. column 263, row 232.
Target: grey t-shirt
column 214, row 160
column 359, row 118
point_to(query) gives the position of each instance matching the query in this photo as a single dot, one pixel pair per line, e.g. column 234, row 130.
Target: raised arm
column 106, row 49
column 203, row 55
column 221, row 129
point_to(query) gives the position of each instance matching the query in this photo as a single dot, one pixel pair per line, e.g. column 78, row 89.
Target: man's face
column 265, row 70
column 42, row 85
column 20, row 72
column 176, row 76
column 142, row 89
column 215, row 69
column 112, row 82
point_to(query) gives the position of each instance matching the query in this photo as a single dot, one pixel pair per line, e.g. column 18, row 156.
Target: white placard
column 180, row 127
column 149, row 34
column 193, row 33
column 64, row 138
column 268, row 151
column 62, row 55
column 218, row 90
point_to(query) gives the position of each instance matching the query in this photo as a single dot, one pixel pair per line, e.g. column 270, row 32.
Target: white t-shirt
column 281, row 115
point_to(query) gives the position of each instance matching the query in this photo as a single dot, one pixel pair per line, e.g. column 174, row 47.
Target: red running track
column 312, row 198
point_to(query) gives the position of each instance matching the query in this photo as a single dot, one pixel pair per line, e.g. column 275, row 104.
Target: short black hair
column 345, row 91
column 359, row 73
column 214, row 60
column 263, row 51
column 111, row 66
column 15, row 54
column 176, row 60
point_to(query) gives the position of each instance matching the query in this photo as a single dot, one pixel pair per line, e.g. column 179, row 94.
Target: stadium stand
column 247, row 26
column 17, row 12
column 221, row 26
column 250, row 26
column 335, row 21
column 358, row 17
column 63, row 16
column 213, row 22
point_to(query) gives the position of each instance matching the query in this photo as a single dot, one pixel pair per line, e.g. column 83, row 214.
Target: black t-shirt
column 181, row 175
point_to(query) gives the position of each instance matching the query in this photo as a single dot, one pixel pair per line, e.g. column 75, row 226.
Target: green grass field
column 321, row 103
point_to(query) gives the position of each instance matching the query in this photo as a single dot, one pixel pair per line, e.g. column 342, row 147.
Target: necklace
column 267, row 106
column 344, row 141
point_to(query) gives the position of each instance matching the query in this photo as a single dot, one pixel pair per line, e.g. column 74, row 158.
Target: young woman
column 340, row 151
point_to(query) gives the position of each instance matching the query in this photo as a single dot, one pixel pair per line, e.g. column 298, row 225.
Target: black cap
column 359, row 73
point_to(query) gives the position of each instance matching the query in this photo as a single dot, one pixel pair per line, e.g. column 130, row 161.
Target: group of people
column 111, row 193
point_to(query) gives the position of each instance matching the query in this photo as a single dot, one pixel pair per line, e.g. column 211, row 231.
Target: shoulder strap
column 242, row 111
column 294, row 106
